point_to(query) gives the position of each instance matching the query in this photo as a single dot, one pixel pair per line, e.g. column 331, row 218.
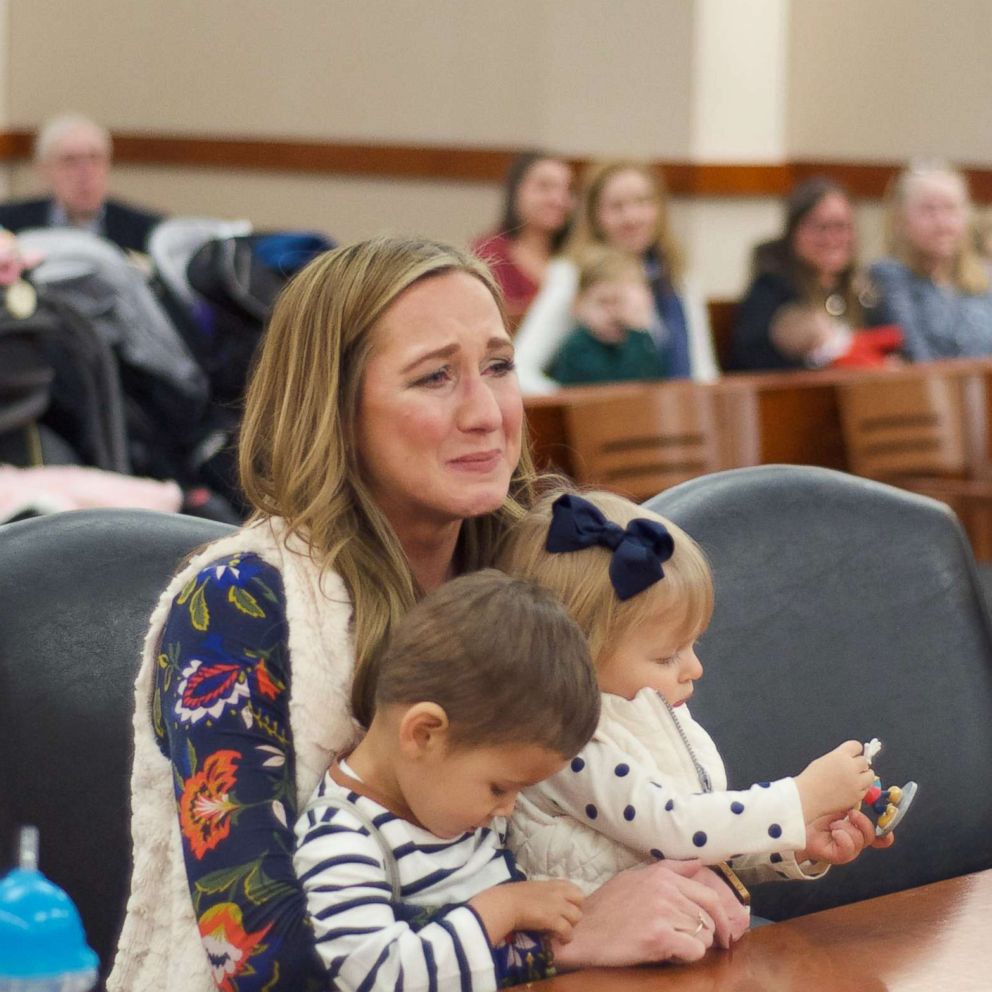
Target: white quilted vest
column 159, row 947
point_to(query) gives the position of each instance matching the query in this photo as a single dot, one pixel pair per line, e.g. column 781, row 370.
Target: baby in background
column 821, row 341
column 651, row 784
column 485, row 687
column 613, row 311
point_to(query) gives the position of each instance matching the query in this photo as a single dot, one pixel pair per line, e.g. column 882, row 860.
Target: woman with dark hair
column 537, row 209
column 806, row 287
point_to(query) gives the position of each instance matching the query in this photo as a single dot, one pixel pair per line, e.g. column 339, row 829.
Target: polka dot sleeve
column 606, row 789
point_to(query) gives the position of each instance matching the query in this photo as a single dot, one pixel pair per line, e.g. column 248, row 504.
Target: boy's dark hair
column 503, row 659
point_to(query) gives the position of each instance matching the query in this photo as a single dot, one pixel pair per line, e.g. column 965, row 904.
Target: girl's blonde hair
column 581, row 579
column 586, row 230
column 298, row 454
column 968, row 273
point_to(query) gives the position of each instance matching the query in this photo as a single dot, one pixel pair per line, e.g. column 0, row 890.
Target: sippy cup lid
column 41, row 934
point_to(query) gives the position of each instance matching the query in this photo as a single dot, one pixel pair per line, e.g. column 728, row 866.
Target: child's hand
column 553, row 907
column 840, row 841
column 600, row 314
column 637, row 307
column 834, row 783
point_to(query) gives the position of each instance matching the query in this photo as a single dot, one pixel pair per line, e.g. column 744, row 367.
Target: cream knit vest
column 159, row 948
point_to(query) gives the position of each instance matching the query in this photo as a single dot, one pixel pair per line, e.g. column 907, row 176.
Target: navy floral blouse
column 221, row 717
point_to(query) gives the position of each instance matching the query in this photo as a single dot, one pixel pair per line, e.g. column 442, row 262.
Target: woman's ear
column 423, row 730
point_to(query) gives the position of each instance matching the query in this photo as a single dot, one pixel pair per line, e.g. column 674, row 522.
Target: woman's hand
column 840, row 841
column 653, row 914
column 736, row 917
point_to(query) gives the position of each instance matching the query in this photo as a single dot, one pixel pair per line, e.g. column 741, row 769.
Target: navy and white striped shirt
column 430, row 939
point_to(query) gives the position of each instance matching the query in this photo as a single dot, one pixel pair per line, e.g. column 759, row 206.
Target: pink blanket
column 71, row 487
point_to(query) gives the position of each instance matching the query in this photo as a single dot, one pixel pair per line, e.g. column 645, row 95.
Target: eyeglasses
column 828, row 227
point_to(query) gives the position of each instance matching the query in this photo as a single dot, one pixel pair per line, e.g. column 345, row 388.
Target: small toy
column 892, row 803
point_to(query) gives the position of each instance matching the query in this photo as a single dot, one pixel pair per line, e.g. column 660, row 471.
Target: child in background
column 821, row 341
column 485, row 687
column 613, row 309
column 651, row 784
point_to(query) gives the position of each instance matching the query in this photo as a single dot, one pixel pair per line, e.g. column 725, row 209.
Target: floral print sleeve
column 221, row 715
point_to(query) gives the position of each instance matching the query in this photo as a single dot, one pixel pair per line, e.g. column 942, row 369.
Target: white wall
column 891, row 79
column 684, row 80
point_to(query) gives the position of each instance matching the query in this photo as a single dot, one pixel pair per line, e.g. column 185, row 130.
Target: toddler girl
column 651, row 784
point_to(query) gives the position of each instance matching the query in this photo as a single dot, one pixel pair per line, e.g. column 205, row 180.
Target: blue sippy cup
column 42, row 944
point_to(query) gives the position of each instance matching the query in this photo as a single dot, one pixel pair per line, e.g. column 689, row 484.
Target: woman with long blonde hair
column 623, row 204
column 384, row 452
column 933, row 283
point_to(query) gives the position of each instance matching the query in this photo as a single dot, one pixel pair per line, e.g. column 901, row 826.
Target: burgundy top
column 518, row 288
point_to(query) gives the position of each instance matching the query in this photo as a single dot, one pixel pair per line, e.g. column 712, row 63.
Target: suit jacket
column 123, row 224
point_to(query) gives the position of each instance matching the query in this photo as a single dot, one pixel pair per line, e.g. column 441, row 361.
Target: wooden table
column 934, row 938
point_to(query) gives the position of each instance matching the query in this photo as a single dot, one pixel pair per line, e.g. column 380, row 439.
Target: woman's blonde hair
column 968, row 273
column 581, row 579
column 586, row 230
column 298, row 455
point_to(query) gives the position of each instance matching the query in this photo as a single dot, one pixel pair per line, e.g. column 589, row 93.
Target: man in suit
column 72, row 155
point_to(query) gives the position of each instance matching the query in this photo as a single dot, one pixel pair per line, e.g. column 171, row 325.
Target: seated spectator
column 72, row 155
column 536, row 213
column 623, row 205
column 613, row 309
column 805, row 286
column 933, row 284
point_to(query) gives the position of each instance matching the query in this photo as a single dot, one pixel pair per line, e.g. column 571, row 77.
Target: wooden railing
column 793, row 418
column 460, row 163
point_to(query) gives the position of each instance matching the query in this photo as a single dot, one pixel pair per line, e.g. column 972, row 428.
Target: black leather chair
column 847, row 609
column 76, row 592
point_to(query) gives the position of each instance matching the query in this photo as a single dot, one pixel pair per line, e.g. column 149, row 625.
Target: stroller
column 164, row 393
column 60, row 393
column 237, row 280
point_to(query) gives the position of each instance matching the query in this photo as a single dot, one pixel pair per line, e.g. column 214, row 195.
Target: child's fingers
column 846, row 848
column 563, row 928
column 573, row 893
column 858, row 821
column 571, row 912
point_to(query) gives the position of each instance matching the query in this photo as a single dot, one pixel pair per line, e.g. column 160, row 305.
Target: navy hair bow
column 638, row 550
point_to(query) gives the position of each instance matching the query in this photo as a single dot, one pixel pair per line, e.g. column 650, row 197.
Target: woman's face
column 627, row 211
column 440, row 411
column 824, row 238
column 935, row 216
column 544, row 196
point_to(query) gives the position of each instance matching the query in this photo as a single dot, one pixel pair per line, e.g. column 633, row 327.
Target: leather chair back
column 847, row 609
column 76, row 592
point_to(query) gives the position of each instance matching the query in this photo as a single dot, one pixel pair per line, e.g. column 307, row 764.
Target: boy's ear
column 423, row 730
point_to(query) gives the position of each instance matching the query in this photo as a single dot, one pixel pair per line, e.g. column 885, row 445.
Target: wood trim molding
column 461, row 164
